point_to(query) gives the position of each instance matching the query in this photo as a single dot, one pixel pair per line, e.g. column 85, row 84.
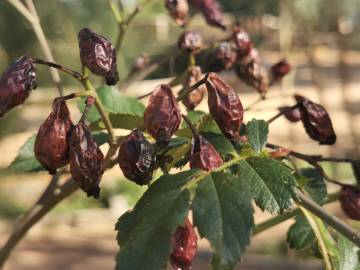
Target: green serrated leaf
column 315, row 185
column 122, row 121
column 300, row 235
column 144, row 234
column 223, row 214
column 178, row 152
column 203, row 122
column 270, row 182
column 257, row 132
column 25, row 161
column 221, row 143
column 194, row 117
column 348, row 254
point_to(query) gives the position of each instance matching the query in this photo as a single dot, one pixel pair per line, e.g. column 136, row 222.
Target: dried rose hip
column 253, row 74
column 242, row 41
column 162, row 116
column 184, row 246
column 178, row 10
column 97, row 54
column 16, row 84
column 316, row 121
column 211, row 11
column 86, row 160
column 194, row 98
column 350, row 201
column 279, row 70
column 223, row 57
column 291, row 114
column 52, row 141
column 203, row 155
column 225, row 106
column 190, row 42
column 137, row 158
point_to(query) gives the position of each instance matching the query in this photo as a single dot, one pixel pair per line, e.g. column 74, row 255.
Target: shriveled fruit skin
column 291, row 114
column 98, row 55
column 178, row 10
column 137, row 158
column 86, row 160
column 184, row 246
column 162, row 115
column 52, row 140
column 211, row 11
column 350, row 201
column 280, row 70
column 203, row 155
column 225, row 106
column 190, row 42
column 194, row 98
column 223, row 57
column 242, row 42
column 316, row 121
column 16, row 84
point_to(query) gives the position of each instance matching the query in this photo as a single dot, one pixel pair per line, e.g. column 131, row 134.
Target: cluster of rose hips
column 59, row 142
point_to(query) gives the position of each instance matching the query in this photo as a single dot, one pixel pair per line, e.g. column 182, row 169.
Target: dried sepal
column 16, row 84
column 162, row 115
column 137, row 158
column 52, row 140
column 225, row 106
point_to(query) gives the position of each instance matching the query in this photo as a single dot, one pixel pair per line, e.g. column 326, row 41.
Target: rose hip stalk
column 350, row 201
column 16, row 84
column 86, row 159
column 98, row 55
column 316, row 121
column 194, row 98
column 178, row 10
column 203, row 155
column 137, row 158
column 225, row 106
column 162, row 116
column 52, row 140
column 184, row 246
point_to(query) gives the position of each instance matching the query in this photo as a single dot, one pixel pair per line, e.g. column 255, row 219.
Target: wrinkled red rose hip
column 184, row 246
column 52, row 140
column 350, row 201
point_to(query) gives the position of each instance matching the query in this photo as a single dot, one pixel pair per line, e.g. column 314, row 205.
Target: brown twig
column 281, row 113
column 78, row 76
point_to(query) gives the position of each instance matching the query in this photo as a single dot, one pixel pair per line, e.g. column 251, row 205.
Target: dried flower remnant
column 316, row 121
column 178, row 10
column 193, row 75
column 52, row 140
column 350, row 201
column 242, row 42
column 225, row 106
column 184, row 246
column 137, row 158
column 162, row 116
column 223, row 57
column 98, row 55
column 86, row 160
column 16, row 84
column 203, row 155
column 190, row 42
